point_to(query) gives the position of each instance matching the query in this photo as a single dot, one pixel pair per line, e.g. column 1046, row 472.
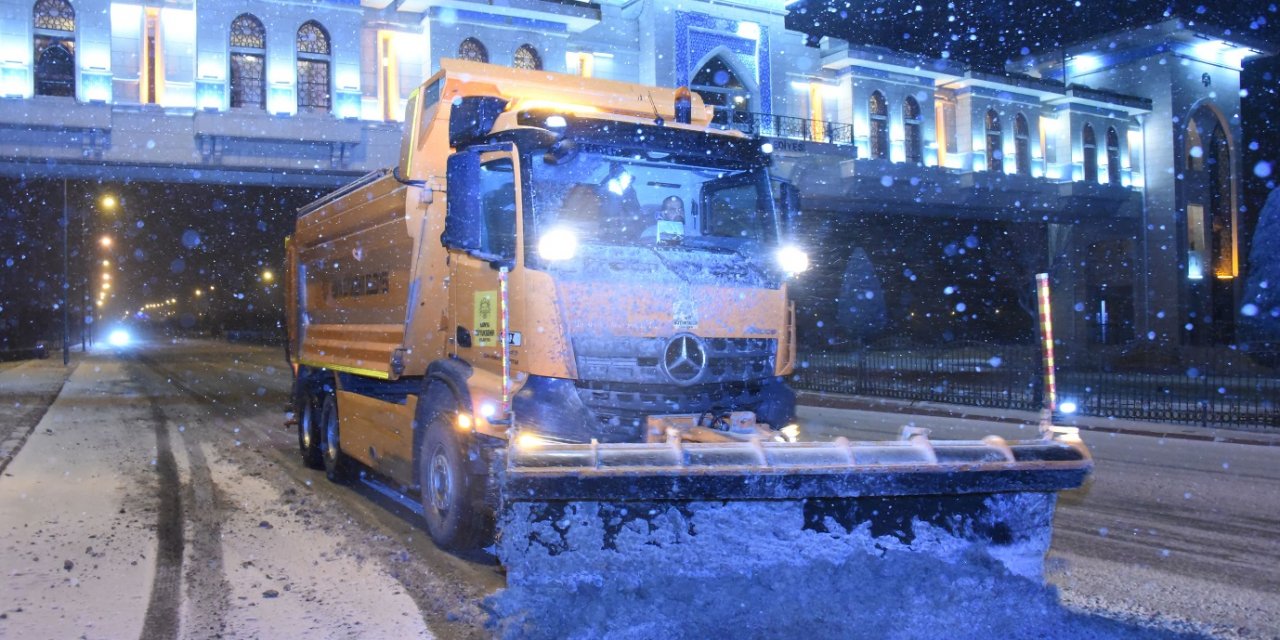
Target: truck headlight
column 792, row 260
column 558, row 244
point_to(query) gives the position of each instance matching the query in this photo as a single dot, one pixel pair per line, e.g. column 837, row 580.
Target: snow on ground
column 1144, row 595
column 77, row 560
column 79, row 520
column 288, row 579
column 748, row 571
column 87, row 512
column 26, row 391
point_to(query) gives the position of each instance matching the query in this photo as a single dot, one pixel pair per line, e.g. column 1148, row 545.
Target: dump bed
column 352, row 258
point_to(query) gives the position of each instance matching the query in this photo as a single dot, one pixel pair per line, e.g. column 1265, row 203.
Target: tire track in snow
column 205, row 577
column 162, row 618
column 207, row 587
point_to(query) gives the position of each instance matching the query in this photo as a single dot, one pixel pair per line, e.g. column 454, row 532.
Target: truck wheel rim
column 304, row 424
column 331, row 437
column 441, row 480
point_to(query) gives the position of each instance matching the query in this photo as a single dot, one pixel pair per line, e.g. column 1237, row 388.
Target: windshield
column 610, row 199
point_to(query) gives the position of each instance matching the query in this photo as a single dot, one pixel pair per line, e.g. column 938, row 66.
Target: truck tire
column 307, row 410
column 452, row 498
column 337, row 466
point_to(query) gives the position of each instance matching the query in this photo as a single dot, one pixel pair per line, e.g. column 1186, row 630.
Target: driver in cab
column 669, row 228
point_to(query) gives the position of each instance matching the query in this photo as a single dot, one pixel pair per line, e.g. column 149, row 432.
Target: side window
column 731, row 210
column 498, row 208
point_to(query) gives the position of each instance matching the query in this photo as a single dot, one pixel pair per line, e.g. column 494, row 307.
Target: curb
column 13, row 445
column 1151, row 430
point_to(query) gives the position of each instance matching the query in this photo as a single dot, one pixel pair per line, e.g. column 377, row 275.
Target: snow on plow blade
column 780, row 470
column 578, row 519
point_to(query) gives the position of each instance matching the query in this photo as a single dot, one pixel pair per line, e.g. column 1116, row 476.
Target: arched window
column 313, row 67
column 1211, row 211
column 1089, row 144
column 722, row 89
column 911, row 131
column 1113, row 156
column 995, row 154
column 527, row 58
column 878, row 112
column 55, row 48
column 1195, row 147
column 248, row 62
column 472, row 49
column 1022, row 144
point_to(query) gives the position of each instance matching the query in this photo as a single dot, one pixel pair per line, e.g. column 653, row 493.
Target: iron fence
column 774, row 126
column 1202, row 388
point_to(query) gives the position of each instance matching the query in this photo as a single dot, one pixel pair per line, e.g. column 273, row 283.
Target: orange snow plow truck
column 561, row 321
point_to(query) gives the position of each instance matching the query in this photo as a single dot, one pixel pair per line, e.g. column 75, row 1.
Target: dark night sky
column 985, row 33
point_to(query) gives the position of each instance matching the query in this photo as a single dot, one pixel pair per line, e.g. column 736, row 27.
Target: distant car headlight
column 1067, row 407
column 792, row 260
column 118, row 338
column 558, row 244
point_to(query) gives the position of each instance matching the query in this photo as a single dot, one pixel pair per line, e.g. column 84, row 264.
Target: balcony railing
column 773, row 126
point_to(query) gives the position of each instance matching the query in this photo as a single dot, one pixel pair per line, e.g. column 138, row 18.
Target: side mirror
column 462, row 223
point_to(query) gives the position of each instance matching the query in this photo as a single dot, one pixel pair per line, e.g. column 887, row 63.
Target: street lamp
column 105, row 241
column 268, row 276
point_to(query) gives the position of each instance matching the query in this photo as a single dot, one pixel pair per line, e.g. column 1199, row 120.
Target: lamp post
column 66, row 262
column 84, row 284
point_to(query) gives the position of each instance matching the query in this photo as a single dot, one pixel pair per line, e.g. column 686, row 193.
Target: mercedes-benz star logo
column 684, row 359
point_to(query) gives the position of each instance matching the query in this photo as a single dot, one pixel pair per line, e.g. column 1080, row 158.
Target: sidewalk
column 27, row 389
column 1013, row 416
column 76, row 544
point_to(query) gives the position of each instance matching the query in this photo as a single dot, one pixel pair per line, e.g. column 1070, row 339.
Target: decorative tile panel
column 698, row 34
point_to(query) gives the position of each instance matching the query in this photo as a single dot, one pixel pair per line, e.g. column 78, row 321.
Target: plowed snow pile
column 711, row 570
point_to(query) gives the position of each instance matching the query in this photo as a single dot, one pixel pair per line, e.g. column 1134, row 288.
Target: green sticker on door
column 486, row 320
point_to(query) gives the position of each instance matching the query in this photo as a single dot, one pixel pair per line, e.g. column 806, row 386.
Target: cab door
column 480, row 233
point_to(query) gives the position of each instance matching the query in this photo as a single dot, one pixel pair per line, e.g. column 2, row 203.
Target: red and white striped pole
column 1046, row 342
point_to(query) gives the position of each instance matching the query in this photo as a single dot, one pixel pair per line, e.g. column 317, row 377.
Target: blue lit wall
column 698, row 34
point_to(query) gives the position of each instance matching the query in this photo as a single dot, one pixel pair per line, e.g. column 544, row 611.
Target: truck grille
column 639, row 360
column 621, row 408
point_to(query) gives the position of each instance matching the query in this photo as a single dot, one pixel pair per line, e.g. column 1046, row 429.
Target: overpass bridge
column 55, row 137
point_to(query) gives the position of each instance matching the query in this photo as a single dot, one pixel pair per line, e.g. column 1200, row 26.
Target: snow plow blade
column 781, row 470
column 575, row 514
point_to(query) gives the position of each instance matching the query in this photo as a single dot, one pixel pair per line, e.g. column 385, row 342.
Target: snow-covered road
column 1179, row 531
column 160, row 496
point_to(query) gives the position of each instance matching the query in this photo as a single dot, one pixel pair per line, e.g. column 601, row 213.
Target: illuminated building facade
column 1114, row 166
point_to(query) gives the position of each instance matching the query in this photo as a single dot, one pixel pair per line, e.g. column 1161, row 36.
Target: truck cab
column 554, row 259
column 637, row 269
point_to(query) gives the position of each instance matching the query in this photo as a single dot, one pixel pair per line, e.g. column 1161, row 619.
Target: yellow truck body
column 573, row 290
